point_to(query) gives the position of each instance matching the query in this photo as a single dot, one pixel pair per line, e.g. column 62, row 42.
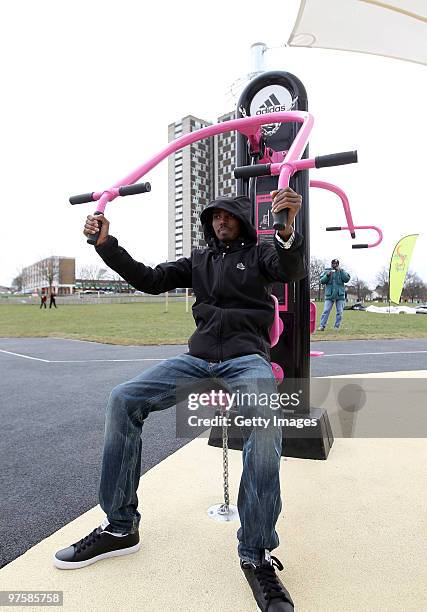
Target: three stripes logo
column 272, row 105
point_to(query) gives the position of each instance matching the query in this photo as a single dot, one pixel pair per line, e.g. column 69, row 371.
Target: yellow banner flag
column 399, row 265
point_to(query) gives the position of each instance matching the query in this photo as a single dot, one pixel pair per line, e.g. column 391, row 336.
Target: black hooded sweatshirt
column 232, row 283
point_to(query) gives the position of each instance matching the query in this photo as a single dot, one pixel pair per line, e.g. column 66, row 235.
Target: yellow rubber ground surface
column 352, row 530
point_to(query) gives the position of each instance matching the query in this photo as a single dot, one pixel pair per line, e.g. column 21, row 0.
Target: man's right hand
column 94, row 224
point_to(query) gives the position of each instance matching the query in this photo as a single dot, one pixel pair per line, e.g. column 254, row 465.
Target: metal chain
column 224, row 509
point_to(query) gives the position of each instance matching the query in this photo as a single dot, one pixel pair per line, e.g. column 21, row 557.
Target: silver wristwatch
column 286, row 244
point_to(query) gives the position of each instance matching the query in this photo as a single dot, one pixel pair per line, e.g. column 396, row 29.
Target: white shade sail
column 395, row 29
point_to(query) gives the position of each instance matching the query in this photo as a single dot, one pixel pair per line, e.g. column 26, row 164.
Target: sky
column 90, row 87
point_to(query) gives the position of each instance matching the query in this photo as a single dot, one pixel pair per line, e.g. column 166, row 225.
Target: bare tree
column 414, row 287
column 361, row 288
column 48, row 273
column 18, row 282
column 92, row 272
column 382, row 279
column 317, row 267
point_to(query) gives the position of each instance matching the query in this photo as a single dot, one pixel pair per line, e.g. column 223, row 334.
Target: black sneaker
column 99, row 544
column 268, row 590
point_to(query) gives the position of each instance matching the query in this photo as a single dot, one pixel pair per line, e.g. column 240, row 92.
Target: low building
column 114, row 286
column 53, row 273
column 58, row 274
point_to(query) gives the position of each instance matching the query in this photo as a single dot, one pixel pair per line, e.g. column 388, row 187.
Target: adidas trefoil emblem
column 240, row 266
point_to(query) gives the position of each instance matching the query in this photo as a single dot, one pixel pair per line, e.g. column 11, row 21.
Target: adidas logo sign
column 271, row 105
column 240, row 266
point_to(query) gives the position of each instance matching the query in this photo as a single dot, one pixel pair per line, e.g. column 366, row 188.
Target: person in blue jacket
column 334, row 279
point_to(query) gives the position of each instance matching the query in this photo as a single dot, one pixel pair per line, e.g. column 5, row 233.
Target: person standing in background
column 52, row 300
column 334, row 278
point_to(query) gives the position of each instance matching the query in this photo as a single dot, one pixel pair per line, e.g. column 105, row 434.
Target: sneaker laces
column 88, row 540
column 268, row 580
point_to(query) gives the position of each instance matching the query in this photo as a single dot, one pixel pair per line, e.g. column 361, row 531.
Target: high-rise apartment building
column 190, row 187
column 225, row 159
column 196, row 175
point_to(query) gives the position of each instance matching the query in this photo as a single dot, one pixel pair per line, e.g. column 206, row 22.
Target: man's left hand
column 288, row 199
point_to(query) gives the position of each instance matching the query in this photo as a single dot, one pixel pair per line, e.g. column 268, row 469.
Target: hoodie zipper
column 220, row 316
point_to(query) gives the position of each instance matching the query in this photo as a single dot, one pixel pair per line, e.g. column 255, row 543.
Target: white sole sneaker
column 78, row 564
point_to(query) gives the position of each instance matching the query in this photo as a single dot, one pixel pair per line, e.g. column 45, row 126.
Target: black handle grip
column 82, row 198
column 336, row 159
column 360, row 246
column 93, row 238
column 337, row 229
column 251, row 171
column 134, row 189
column 280, row 219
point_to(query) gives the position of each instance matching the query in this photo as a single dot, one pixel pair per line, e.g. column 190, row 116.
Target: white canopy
column 397, row 28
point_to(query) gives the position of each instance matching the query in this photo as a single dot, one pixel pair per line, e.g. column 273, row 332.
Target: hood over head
column 239, row 206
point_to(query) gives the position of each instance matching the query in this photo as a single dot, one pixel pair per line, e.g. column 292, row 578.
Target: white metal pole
column 257, row 58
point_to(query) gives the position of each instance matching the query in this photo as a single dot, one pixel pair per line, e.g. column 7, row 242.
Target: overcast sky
column 89, row 87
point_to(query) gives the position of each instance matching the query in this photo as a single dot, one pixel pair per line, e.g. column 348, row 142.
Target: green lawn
column 136, row 323
column 142, row 323
column 358, row 325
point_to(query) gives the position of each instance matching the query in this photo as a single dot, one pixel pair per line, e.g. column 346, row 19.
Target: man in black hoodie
column 231, row 279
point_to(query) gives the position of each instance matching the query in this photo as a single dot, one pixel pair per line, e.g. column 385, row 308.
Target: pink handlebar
column 347, row 212
column 249, row 126
column 340, row 193
column 365, row 227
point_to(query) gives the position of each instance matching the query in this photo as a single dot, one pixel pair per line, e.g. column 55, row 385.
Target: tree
column 414, row 287
column 48, row 273
column 18, row 282
column 92, row 272
column 361, row 288
column 317, row 267
column 383, row 285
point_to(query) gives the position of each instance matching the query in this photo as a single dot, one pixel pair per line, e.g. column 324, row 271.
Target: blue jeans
column 327, row 310
column 259, row 503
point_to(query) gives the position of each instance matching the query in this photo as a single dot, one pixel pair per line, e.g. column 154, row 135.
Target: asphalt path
column 53, row 394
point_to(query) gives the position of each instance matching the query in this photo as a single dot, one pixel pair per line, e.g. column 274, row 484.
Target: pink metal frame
column 340, row 193
column 284, row 165
column 249, row 126
column 277, row 327
column 347, row 212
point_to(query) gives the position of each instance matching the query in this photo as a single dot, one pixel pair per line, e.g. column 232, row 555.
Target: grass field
column 148, row 324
